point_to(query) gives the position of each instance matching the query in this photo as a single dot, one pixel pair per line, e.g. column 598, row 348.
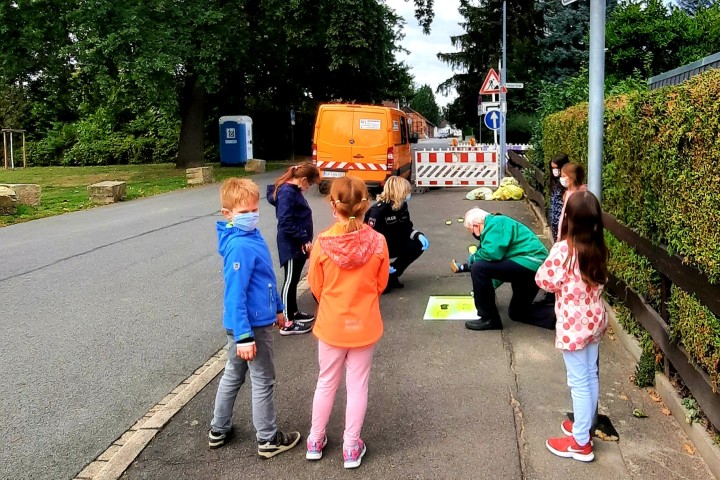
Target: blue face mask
column 246, row 221
column 409, row 196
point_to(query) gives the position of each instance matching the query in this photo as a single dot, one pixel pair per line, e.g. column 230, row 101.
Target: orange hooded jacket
column 348, row 273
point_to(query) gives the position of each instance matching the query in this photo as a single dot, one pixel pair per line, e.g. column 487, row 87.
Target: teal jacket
column 506, row 239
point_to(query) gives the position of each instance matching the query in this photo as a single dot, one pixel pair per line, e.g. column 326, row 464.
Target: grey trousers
column 262, row 380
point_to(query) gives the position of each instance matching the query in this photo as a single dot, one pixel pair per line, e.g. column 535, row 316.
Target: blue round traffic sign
column 494, row 119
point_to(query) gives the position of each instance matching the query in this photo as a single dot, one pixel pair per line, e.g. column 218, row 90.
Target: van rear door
column 370, row 135
column 334, row 139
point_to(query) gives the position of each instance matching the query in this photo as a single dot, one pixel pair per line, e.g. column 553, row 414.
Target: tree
column 692, row 6
column 480, row 48
column 423, row 102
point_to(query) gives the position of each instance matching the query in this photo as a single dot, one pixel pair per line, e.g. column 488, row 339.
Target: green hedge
column 661, row 176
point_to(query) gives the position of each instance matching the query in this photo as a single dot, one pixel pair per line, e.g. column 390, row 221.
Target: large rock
column 199, row 175
column 8, row 201
column 107, row 192
column 254, row 165
column 27, row 193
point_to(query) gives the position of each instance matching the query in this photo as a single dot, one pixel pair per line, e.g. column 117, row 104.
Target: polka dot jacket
column 579, row 310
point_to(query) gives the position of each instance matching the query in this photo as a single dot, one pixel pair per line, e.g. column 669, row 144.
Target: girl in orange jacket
column 349, row 268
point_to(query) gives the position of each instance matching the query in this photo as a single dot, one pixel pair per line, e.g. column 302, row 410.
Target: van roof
column 349, row 106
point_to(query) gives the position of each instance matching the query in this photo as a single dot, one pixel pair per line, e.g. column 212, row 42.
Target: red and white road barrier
column 444, row 168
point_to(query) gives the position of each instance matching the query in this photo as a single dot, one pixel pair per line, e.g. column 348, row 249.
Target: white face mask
column 556, row 172
column 563, row 182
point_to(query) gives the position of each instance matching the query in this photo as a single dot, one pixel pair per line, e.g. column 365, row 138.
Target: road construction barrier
column 449, row 168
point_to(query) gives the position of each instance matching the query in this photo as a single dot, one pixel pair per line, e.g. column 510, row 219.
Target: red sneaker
column 567, row 425
column 567, row 447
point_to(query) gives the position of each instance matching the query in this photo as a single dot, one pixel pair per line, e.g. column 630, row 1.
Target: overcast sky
column 422, row 60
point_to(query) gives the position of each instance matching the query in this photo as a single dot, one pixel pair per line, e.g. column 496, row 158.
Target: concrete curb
column 112, row 463
column 696, row 433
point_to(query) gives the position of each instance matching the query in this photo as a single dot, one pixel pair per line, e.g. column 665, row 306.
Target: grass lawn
column 64, row 189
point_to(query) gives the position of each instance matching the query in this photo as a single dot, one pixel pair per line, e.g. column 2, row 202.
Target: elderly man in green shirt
column 508, row 252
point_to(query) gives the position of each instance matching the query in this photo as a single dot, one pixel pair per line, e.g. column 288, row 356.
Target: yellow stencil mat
column 450, row 308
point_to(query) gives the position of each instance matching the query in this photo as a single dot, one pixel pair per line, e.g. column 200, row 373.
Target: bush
column 660, row 176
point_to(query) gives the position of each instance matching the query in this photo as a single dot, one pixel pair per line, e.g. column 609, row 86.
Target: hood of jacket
column 269, row 193
column 350, row 250
column 226, row 233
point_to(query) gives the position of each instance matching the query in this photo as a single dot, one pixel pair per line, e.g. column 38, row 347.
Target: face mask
column 556, row 172
column 563, row 182
column 409, row 196
column 246, row 221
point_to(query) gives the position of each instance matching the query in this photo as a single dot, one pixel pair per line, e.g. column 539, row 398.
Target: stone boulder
column 199, row 175
column 8, row 201
column 27, row 193
column 107, row 192
column 256, row 166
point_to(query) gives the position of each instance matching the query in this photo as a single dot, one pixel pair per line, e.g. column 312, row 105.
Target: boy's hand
column 246, row 352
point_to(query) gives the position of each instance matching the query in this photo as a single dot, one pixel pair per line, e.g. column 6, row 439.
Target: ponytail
column 349, row 195
column 307, row 170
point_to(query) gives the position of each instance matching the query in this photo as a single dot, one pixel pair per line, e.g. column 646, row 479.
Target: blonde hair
column 307, row 170
column 395, row 191
column 238, row 191
column 350, row 197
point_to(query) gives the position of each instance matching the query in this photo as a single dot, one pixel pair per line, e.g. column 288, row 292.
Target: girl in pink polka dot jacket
column 576, row 271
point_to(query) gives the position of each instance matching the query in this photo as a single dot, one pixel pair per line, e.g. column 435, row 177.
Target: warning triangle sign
column 491, row 84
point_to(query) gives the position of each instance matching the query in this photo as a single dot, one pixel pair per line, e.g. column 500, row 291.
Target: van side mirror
column 414, row 138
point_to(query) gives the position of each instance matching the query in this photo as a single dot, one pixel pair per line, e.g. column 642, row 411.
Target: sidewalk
column 445, row 402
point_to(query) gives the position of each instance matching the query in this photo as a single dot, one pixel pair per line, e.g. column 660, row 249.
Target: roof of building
column 409, row 110
column 679, row 75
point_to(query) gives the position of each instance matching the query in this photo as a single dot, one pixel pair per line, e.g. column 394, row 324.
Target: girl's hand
column 307, row 247
column 281, row 321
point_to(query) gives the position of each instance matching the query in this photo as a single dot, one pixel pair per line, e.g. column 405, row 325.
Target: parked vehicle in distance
column 367, row 141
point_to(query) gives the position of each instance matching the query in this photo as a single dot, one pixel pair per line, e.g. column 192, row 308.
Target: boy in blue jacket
column 251, row 307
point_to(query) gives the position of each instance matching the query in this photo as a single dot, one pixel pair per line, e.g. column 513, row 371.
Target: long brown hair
column 576, row 172
column 301, row 170
column 350, row 197
column 583, row 230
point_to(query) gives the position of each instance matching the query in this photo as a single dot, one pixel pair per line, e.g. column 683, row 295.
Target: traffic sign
column 514, row 85
column 491, row 84
column 494, row 119
column 486, row 106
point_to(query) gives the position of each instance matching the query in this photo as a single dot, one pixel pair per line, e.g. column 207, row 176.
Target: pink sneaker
column 315, row 449
column 353, row 456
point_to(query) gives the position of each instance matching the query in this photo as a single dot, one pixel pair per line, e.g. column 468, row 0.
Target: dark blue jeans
column 523, row 285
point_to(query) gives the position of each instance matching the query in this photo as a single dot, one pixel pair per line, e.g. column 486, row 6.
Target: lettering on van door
column 369, row 124
column 396, row 126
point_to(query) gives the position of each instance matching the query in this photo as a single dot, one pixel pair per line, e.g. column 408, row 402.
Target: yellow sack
column 508, row 192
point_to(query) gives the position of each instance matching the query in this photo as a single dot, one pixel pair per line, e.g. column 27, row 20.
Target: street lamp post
column 597, row 90
column 503, row 95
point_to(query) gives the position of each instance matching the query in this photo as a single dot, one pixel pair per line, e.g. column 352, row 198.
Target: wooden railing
column 672, row 270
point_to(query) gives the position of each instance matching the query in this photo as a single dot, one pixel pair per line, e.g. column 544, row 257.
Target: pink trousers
column 357, row 362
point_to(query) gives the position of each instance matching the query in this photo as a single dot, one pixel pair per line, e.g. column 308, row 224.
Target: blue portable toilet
column 235, row 140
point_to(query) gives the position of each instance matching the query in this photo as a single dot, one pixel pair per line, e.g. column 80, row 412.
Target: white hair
column 475, row 216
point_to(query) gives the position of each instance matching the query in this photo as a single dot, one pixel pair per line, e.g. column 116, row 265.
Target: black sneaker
column 296, row 328
column 303, row 317
column 482, row 324
column 217, row 439
column 279, row 444
column 394, row 281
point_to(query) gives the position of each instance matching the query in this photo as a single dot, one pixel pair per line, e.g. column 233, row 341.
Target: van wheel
column 324, row 187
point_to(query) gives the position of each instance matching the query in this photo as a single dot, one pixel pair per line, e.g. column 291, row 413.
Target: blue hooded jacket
column 295, row 225
column 251, row 298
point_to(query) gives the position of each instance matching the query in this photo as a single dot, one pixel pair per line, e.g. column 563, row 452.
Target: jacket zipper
column 270, row 297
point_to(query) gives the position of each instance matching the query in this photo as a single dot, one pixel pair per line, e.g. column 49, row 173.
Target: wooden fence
column 672, row 270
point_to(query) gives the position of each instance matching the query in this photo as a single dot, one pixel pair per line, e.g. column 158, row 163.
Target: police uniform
column 402, row 239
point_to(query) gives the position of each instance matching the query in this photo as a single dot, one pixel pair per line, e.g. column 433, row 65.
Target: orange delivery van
column 366, row 141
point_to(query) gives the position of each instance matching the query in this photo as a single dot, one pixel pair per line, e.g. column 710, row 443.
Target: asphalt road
column 104, row 312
